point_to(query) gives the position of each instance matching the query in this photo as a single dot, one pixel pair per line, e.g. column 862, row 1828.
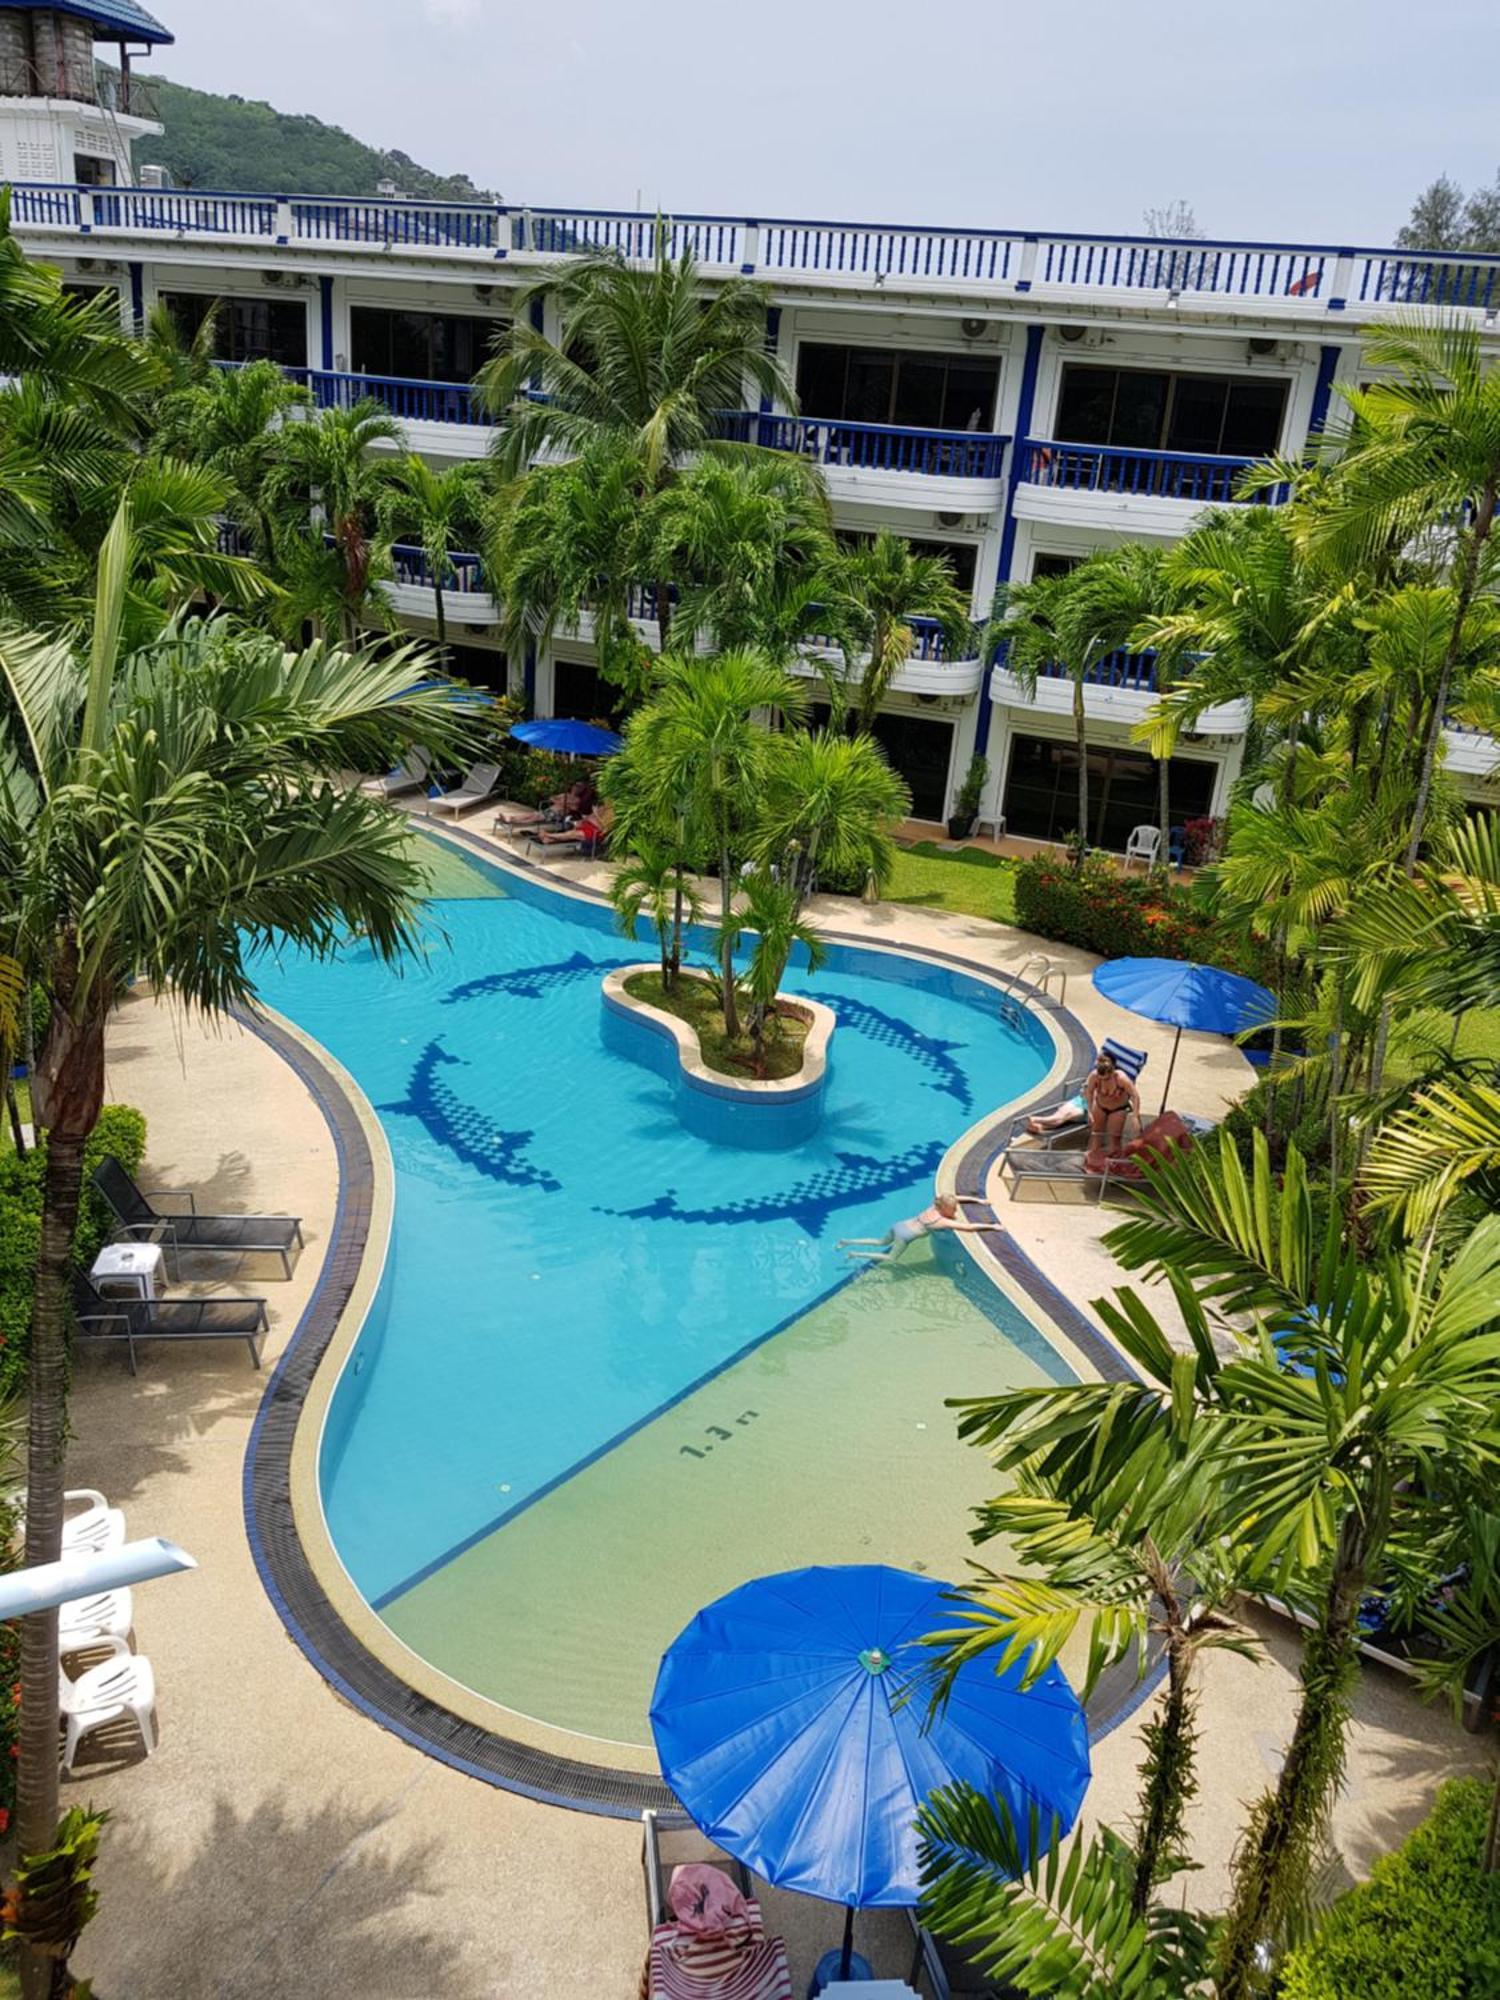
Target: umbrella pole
column 848, row 1942
column 1176, row 1044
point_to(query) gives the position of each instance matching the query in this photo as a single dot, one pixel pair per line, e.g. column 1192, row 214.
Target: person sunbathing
column 943, row 1214
column 1072, row 1112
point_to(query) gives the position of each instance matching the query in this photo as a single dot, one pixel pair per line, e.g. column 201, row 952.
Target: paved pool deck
column 280, row 1842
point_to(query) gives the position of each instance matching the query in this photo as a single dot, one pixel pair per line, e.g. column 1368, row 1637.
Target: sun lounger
column 410, row 775
column 587, row 836
column 684, row 1962
column 481, row 782
column 133, row 1320
column 217, row 1235
column 1130, row 1062
column 511, row 815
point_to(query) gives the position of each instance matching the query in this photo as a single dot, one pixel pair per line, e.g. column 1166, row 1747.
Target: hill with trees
column 232, row 142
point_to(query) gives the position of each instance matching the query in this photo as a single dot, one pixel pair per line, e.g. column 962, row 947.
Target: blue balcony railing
column 1135, row 672
column 1295, row 278
column 1156, row 475
column 467, row 579
column 871, row 447
column 407, row 397
column 929, row 643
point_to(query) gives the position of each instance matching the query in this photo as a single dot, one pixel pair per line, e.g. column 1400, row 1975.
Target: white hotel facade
column 1012, row 398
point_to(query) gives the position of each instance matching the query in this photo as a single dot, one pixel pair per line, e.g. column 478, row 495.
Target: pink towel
column 705, row 1901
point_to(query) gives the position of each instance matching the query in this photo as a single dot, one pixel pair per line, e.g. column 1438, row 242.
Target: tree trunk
column 1490, row 1859
column 1335, row 1080
column 67, row 1091
column 1164, row 813
column 1270, row 1084
column 676, row 958
column 1468, row 581
column 1167, row 1788
column 1278, row 1840
column 726, row 952
column 1080, row 731
column 18, row 1137
column 442, row 622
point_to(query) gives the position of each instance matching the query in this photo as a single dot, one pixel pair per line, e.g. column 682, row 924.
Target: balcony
column 467, row 598
column 951, row 471
column 932, row 666
column 1307, row 284
column 1109, row 486
column 1121, row 688
column 1471, row 754
column 418, row 404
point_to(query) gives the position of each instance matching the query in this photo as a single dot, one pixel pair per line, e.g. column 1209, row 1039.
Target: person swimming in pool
column 943, row 1214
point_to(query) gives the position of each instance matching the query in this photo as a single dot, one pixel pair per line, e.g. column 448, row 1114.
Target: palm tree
column 647, row 357
column 1465, row 1622
column 71, row 347
column 650, row 882
column 748, row 541
column 1399, row 1393
column 232, row 424
column 180, row 361
column 874, row 589
column 176, row 808
column 567, row 543
column 1074, row 621
column 700, row 753
column 772, row 910
column 439, row 511
column 325, row 474
column 828, row 807
column 1421, row 463
column 1123, row 1559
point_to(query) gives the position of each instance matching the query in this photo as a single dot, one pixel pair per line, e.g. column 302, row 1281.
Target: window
column 920, row 750
column 483, row 666
column 869, row 385
column 1041, row 791
column 582, row 694
column 422, row 346
column 963, row 556
column 246, row 329
column 1150, row 410
column 1048, row 562
column 89, row 170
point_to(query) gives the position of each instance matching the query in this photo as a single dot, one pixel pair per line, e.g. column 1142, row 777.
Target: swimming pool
column 614, row 1368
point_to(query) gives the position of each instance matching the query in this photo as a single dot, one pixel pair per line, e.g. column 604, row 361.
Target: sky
column 1313, row 120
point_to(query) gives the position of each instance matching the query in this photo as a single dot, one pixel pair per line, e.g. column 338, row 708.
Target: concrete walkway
column 281, row 1843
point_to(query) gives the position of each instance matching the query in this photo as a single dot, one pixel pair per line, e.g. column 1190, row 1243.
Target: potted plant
column 966, row 805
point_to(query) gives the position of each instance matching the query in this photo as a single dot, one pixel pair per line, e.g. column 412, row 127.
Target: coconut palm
column 1072, row 621
column 438, row 510
column 72, row 347
column 772, row 910
column 325, row 490
column 1420, row 465
column 173, row 810
column 699, row 753
column 875, row 589
column 828, row 807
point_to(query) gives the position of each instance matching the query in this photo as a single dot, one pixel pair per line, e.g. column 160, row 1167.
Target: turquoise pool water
column 569, row 1262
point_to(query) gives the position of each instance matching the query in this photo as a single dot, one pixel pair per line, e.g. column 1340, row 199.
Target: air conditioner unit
column 155, row 176
column 973, row 329
column 1072, row 334
column 950, row 520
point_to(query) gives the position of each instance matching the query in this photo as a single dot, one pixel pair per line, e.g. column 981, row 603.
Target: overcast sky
column 1311, row 119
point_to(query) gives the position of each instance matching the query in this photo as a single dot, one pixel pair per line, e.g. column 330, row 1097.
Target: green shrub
column 121, row 1130
column 1120, row 916
column 1427, row 1923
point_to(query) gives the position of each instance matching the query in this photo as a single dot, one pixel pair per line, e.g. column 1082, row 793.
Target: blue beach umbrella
column 568, row 739
column 1185, row 995
column 792, row 1723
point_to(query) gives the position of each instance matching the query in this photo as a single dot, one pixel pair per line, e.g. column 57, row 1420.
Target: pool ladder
column 1049, row 968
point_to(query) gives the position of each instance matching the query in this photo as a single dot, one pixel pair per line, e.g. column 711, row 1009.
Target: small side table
column 133, row 1267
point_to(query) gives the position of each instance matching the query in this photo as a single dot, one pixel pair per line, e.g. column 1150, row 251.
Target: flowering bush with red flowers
column 1123, row 916
column 1201, row 839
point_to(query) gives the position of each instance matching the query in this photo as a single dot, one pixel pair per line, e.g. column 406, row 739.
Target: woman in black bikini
column 1111, row 1097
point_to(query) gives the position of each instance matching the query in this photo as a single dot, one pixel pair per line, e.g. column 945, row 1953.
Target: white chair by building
column 116, row 1688
column 1143, row 845
column 93, row 1620
column 90, row 1529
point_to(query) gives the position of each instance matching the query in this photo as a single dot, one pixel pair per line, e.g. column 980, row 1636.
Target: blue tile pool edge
column 320, row 1631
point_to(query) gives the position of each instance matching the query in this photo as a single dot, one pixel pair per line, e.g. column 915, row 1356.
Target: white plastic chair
column 93, row 1528
column 1143, row 845
column 117, row 1687
column 89, row 1621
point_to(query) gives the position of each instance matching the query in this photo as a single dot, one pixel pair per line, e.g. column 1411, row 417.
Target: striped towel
column 739, row 1964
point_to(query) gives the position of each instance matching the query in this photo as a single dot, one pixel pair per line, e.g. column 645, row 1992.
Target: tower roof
column 112, row 19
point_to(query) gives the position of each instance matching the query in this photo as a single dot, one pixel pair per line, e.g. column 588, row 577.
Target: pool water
column 614, row 1368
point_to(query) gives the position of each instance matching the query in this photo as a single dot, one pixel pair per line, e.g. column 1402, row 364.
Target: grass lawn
column 1479, row 1036
column 970, row 880
column 692, row 1000
column 23, row 1099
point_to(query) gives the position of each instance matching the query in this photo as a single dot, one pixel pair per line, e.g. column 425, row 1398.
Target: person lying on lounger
column 1072, row 1112
column 943, row 1214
